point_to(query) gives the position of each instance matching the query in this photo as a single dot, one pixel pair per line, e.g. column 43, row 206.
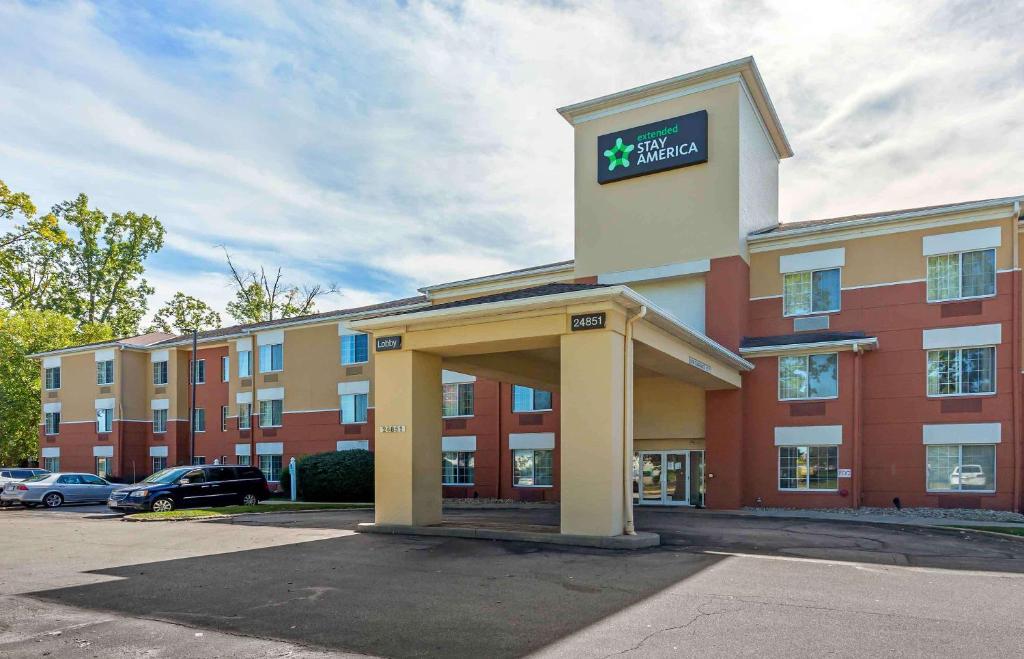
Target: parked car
column 183, row 487
column 968, row 475
column 54, row 490
column 16, row 475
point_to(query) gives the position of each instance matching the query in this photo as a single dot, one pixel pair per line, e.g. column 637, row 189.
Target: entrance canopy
column 582, row 340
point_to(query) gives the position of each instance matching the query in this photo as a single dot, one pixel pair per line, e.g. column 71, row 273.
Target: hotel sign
column 385, row 343
column 669, row 144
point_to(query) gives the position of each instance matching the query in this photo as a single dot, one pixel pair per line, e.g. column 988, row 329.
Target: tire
column 53, row 500
column 250, row 499
column 162, row 505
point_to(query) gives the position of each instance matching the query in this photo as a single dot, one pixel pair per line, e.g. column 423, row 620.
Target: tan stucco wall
column 667, row 409
column 893, row 257
column 135, row 373
column 312, row 369
column 671, row 217
column 78, row 389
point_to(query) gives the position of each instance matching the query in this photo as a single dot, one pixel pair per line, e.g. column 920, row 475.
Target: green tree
column 183, row 313
column 260, row 297
column 22, row 333
column 101, row 279
column 29, row 252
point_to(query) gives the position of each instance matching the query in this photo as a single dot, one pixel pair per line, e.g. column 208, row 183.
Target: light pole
column 192, row 404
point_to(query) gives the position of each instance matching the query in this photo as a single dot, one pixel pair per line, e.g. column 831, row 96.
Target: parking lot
column 304, row 584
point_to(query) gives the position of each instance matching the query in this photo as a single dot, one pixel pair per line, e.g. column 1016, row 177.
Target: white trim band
column 160, row 404
column 104, row 403
column 243, row 345
column 809, row 436
column 159, row 356
column 158, row 451
column 819, row 260
column 243, row 450
column 270, row 338
column 104, row 355
column 461, row 444
column 269, row 448
column 531, row 440
column 962, row 337
column 51, row 452
column 271, row 393
column 51, row 362
column 452, row 377
column 352, row 445
column 102, row 451
column 962, row 241
column 51, row 407
column 358, row 387
column 243, row 398
column 962, row 433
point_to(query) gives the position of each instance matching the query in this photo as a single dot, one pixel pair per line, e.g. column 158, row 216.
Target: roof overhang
column 623, row 295
column 744, row 70
column 855, row 345
column 480, row 283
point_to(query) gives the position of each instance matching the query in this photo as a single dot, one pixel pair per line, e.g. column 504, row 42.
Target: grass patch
column 220, row 511
column 1006, row 530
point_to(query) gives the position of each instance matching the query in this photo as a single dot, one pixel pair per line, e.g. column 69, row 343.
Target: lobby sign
column 385, row 343
column 677, row 142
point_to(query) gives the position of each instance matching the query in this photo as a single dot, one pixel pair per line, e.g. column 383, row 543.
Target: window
column 961, row 468
column 355, row 348
column 197, row 460
column 525, row 399
column 270, row 413
column 353, row 408
column 272, row 358
column 961, row 371
column 52, row 378
column 159, row 421
column 225, row 369
column 200, row 414
column 159, row 373
column 457, row 399
column 224, row 418
column 105, row 372
column 159, row 463
column 52, row 423
column 808, row 376
column 51, row 464
column 531, row 467
column 808, row 467
column 961, row 275
column 242, row 460
column 245, row 364
column 104, row 467
column 244, row 416
column 200, row 372
column 270, row 465
column 457, row 468
column 815, row 291
column 104, row 420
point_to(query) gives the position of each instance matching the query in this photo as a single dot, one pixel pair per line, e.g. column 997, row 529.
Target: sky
column 385, row 146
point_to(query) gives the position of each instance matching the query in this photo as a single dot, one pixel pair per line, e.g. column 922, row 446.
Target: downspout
column 1018, row 336
column 627, row 422
column 858, row 352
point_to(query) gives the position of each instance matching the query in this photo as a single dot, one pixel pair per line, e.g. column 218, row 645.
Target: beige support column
column 407, row 459
column 591, row 432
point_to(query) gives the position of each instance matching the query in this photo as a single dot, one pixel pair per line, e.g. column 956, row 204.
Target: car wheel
column 250, row 500
column 53, row 500
column 163, row 505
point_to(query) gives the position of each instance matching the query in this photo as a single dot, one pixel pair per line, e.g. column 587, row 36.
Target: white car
column 972, row 475
column 17, row 475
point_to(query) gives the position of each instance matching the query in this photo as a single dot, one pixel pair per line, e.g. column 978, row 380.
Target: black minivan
column 184, row 487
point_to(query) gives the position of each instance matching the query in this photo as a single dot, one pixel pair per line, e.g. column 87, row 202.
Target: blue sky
column 386, row 146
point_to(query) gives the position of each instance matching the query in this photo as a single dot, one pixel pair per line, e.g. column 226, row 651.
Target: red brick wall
column 484, row 425
column 517, row 422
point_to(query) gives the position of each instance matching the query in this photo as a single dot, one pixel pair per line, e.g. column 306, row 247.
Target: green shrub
column 333, row 476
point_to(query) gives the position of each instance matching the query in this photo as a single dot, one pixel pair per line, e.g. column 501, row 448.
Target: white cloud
column 390, row 146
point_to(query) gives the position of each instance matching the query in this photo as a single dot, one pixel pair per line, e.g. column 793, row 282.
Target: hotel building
column 695, row 352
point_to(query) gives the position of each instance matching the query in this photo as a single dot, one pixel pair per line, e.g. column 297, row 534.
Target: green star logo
column 618, row 154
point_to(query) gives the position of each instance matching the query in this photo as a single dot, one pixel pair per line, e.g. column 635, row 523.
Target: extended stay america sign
column 677, row 142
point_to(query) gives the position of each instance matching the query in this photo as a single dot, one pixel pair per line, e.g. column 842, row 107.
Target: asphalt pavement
column 720, row 586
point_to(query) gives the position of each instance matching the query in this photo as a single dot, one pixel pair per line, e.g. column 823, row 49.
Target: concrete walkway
column 903, row 520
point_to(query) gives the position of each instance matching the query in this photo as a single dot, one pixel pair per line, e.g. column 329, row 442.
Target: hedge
column 333, row 476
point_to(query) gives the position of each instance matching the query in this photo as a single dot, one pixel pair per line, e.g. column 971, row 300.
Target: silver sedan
column 54, row 490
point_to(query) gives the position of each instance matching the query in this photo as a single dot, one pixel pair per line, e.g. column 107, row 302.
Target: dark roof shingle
column 797, row 339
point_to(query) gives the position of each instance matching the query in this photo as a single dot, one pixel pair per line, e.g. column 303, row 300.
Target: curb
column 997, row 534
column 642, row 540
column 220, row 516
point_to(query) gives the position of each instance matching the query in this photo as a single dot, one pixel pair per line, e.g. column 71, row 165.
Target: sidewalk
column 879, row 518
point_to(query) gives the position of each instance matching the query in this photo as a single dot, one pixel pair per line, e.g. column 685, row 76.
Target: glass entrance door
column 669, row 478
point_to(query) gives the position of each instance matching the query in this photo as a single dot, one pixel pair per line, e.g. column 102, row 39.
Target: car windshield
column 167, row 475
